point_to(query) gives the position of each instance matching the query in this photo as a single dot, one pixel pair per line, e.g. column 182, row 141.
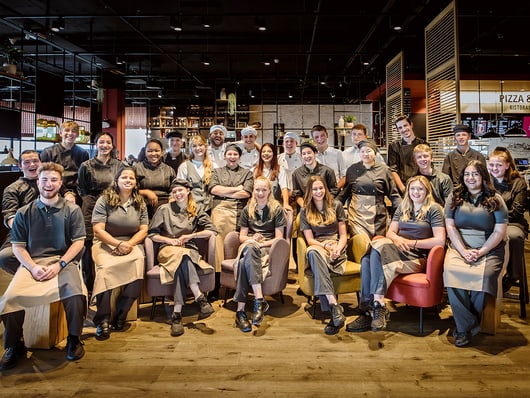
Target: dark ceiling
column 318, row 51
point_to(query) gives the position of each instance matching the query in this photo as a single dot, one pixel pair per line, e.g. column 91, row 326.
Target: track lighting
column 260, row 24
column 205, row 60
column 175, row 23
column 58, row 25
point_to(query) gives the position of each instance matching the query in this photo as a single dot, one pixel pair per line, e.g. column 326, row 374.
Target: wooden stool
column 491, row 315
column 45, row 325
column 132, row 315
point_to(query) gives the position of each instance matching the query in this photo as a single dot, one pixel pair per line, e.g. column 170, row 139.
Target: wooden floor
column 287, row 356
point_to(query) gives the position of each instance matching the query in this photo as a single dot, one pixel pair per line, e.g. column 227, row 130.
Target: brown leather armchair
column 155, row 288
column 276, row 279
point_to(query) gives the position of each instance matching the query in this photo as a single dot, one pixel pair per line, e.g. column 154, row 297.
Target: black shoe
column 177, row 329
column 300, row 292
column 260, row 307
column 11, row 356
column 461, row 338
column 206, row 308
column 213, row 295
column 102, row 331
column 380, row 317
column 506, row 283
column 242, row 322
column 74, row 348
column 120, row 325
column 360, row 324
column 331, row 329
column 337, row 315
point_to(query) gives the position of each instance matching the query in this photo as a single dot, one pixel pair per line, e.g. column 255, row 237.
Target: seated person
column 49, row 269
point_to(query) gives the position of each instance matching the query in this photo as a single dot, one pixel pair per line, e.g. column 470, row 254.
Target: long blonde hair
column 407, row 205
column 313, row 215
column 272, row 203
column 207, row 163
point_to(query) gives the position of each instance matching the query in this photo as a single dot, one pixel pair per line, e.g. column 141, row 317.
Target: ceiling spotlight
column 120, row 61
column 58, row 25
column 251, row 94
column 205, row 60
column 260, row 24
column 265, row 61
column 206, row 23
column 290, row 95
column 175, row 23
column 365, row 63
column 160, row 95
column 195, row 94
column 397, row 28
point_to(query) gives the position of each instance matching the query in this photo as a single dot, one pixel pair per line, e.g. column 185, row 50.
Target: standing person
column 351, row 155
column 476, row 219
column 310, row 168
column 231, row 187
column 323, row 223
column 457, row 159
column 262, row 222
column 217, row 146
column 269, row 168
column 69, row 155
column 400, row 158
column 327, row 155
column 47, row 236
column 155, row 178
column 120, row 226
column 289, row 161
column 441, row 183
column 197, row 170
column 417, row 226
column 16, row 195
column 176, row 225
column 94, row 176
column 249, row 149
column 367, row 184
column 511, row 185
column 174, row 156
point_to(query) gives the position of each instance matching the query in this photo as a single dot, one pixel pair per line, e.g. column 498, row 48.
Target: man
column 216, row 148
column 19, row 193
column 327, row 155
column 174, row 156
column 441, row 183
column 351, row 155
column 47, row 236
column 230, row 187
column 311, row 167
column 249, row 148
column 400, row 159
column 70, row 156
column 457, row 159
column 289, row 161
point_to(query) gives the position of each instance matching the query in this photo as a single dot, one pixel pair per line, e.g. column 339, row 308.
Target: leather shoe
column 360, row 324
column 337, row 315
column 331, row 329
column 206, row 308
column 242, row 322
column 260, row 307
column 74, row 348
column 11, row 356
column 177, row 329
column 102, row 331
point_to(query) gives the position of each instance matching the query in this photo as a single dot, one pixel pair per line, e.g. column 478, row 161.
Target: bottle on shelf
column 341, row 122
column 223, row 94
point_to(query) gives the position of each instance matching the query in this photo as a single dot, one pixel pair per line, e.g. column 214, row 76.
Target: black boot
column 260, row 307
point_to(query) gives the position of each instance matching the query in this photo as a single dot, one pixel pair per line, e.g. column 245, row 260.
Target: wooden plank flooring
column 287, row 356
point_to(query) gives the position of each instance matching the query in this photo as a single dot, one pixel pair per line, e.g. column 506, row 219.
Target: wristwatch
column 63, row 264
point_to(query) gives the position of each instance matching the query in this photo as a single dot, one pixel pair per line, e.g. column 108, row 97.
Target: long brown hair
column 112, row 193
column 207, row 163
column 461, row 192
column 313, row 215
column 275, row 166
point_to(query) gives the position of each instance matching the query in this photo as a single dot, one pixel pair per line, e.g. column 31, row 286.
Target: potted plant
column 349, row 119
column 13, row 56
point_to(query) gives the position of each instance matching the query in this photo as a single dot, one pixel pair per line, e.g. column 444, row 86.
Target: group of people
column 241, row 186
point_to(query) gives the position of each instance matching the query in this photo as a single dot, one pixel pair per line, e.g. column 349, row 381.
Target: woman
column 416, row 227
column 175, row 226
column 198, row 172
column 512, row 187
column 94, row 176
column 269, row 167
column 261, row 223
column 155, row 178
column 323, row 223
column 120, row 226
column 476, row 219
column 367, row 184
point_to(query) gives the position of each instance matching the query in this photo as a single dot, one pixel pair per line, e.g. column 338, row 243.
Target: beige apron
column 338, row 265
column 24, row 291
column 170, row 258
column 113, row 271
column 224, row 217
